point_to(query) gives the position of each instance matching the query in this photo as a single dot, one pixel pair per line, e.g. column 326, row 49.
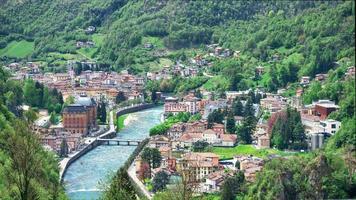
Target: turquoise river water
column 85, row 178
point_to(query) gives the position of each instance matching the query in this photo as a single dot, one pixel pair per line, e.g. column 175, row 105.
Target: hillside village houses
column 80, row 118
column 96, row 84
column 77, row 121
column 89, row 86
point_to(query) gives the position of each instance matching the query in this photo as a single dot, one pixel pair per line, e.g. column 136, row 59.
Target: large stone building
column 81, row 116
column 199, row 164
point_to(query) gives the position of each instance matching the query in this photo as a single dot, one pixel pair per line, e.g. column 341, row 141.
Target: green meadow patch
column 230, row 152
column 18, row 49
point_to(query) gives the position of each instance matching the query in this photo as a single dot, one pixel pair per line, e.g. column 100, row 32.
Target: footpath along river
column 82, row 178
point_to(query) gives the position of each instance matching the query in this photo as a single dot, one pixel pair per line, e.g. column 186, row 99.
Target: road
column 132, row 173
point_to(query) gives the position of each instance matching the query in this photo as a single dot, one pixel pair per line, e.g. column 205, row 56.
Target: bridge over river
column 82, row 177
column 119, row 142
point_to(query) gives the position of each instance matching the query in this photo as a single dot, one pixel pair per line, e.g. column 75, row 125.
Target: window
column 333, row 125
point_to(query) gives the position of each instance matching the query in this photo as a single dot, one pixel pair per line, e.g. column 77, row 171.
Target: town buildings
column 81, row 116
column 189, row 104
column 199, row 165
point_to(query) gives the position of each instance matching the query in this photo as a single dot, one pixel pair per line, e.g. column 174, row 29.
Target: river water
column 84, row 179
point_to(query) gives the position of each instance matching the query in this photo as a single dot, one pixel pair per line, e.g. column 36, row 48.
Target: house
column 199, row 164
column 165, row 151
column 81, row 116
column 192, row 104
column 215, row 180
column 299, row 92
column 196, row 127
column 187, row 140
column 311, row 123
column 90, row 30
column 228, row 140
column 226, row 53
column 320, row 77
column 263, row 142
column 330, row 126
column 250, row 173
column 218, row 128
column 171, row 105
column 237, row 54
column 142, row 168
column 148, row 45
column 159, row 141
column 250, row 166
column 305, row 80
column 176, row 131
column 273, row 103
column 218, row 51
column 324, row 107
column 210, row 136
column 85, row 44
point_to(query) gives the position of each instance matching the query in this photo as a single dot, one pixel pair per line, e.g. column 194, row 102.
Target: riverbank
column 84, row 178
column 120, row 122
column 64, row 163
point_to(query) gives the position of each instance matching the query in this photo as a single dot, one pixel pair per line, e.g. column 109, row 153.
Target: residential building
column 198, row 164
column 263, row 142
column 330, row 126
column 214, row 181
column 304, row 80
column 81, row 116
column 324, row 107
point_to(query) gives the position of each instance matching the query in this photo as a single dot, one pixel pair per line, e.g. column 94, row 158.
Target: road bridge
column 119, row 141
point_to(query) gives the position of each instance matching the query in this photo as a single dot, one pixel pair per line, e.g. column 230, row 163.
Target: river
column 84, row 179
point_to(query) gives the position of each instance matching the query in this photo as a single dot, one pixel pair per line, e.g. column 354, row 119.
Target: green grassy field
column 156, row 66
column 120, row 122
column 216, row 82
column 156, row 41
column 98, row 39
column 65, row 56
column 90, row 52
column 19, row 49
column 226, row 153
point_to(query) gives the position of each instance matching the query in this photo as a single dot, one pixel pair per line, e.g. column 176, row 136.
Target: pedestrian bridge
column 119, row 142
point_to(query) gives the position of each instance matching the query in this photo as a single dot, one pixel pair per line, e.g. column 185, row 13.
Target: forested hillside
column 308, row 37
column 27, row 170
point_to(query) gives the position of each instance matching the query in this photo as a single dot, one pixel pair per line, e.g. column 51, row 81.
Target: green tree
column 120, row 187
column 152, row 156
column 120, row 97
column 31, row 94
column 160, row 181
column 30, row 116
column 288, row 131
column 273, row 83
column 200, row 146
column 215, row 117
column 249, row 111
column 53, row 118
column 64, row 148
column 237, row 107
column 232, row 186
column 230, row 123
column 245, row 130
